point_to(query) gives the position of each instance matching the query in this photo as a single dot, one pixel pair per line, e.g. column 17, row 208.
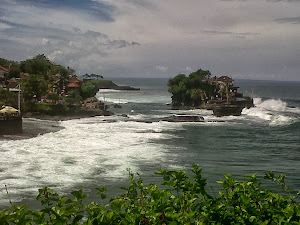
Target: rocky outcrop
column 183, row 118
column 92, row 103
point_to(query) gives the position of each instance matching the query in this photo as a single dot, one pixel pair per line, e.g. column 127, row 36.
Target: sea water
column 93, row 152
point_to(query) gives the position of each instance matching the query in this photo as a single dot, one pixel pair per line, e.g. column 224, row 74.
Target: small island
column 201, row 90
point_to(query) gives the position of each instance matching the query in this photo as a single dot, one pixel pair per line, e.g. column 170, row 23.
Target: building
column 74, row 83
column 3, row 72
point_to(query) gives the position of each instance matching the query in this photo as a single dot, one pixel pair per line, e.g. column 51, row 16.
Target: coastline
column 40, row 124
column 33, row 127
column 78, row 115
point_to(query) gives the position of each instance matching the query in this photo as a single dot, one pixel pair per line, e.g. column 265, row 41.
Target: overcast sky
column 252, row 39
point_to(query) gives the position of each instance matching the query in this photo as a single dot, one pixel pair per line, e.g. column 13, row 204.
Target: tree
column 200, row 73
column 73, row 98
column 93, row 76
column 192, row 90
column 34, row 87
column 197, row 96
column 14, row 71
column 88, row 90
column 5, row 62
column 52, row 96
column 8, row 98
column 39, row 65
column 96, row 76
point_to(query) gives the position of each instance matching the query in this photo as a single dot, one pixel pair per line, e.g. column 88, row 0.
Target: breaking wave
column 84, row 150
column 275, row 111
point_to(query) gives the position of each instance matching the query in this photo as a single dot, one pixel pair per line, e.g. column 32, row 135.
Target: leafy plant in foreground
column 178, row 200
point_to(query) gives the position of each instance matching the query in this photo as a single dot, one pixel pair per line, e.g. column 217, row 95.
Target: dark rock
column 185, row 118
column 117, row 106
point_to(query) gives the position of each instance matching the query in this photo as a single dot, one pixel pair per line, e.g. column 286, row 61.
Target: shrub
column 182, row 201
column 88, row 90
column 8, row 98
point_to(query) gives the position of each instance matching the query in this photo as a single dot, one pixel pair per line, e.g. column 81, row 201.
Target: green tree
column 14, row 71
column 88, row 89
column 34, row 87
column 192, row 90
column 5, row 62
column 177, row 86
column 73, row 98
column 97, row 76
column 200, row 73
column 39, row 65
column 52, row 96
column 8, row 98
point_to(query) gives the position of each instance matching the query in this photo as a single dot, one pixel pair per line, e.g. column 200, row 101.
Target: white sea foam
column 271, row 104
column 87, row 148
column 270, row 110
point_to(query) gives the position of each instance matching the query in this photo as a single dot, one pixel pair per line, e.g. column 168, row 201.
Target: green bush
column 8, row 98
column 88, row 90
column 52, row 96
column 103, row 83
column 182, row 200
column 191, row 90
column 73, row 98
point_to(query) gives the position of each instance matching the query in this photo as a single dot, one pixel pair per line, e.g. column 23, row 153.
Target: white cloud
column 232, row 37
column 4, row 26
column 188, row 69
column 54, row 55
column 162, row 68
column 45, row 41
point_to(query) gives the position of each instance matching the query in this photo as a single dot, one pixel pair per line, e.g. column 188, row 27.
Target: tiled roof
column 3, row 68
column 225, row 79
column 73, row 85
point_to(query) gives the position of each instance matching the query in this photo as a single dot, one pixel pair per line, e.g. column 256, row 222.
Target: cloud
column 234, row 34
column 54, row 55
column 265, row 0
column 159, row 38
column 296, row 1
column 99, row 9
column 293, row 20
column 45, row 41
column 162, row 68
column 63, row 35
column 4, row 26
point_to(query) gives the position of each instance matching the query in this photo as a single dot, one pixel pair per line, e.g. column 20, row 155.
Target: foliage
column 103, row 83
column 8, row 98
column 38, row 65
column 88, row 89
column 34, row 87
column 14, row 71
column 5, row 62
column 91, row 87
column 52, row 96
column 14, row 67
column 73, row 98
column 92, row 76
column 182, row 200
column 44, row 108
column 191, row 90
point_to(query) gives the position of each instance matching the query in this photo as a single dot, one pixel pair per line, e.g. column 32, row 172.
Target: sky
column 248, row 39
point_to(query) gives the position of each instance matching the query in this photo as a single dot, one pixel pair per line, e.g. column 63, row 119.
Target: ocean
column 94, row 152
